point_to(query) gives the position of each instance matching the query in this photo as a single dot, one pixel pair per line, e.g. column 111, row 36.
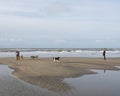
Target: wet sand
column 48, row 74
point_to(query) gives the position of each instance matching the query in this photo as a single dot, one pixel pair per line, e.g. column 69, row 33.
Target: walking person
column 17, row 55
column 104, row 54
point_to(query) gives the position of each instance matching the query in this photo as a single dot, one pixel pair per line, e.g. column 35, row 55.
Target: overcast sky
column 59, row 23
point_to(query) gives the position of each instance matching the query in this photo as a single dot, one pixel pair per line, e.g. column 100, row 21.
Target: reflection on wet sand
column 52, row 83
column 92, row 85
column 12, row 86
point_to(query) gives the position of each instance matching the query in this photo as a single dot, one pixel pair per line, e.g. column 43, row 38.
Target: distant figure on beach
column 21, row 57
column 17, row 55
column 104, row 54
column 34, row 57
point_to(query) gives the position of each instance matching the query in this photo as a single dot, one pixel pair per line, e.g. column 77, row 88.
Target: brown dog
column 34, row 57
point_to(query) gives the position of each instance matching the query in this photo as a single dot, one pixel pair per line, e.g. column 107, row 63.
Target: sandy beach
column 44, row 72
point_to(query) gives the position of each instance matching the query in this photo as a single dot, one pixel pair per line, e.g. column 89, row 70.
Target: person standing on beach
column 17, row 55
column 104, row 54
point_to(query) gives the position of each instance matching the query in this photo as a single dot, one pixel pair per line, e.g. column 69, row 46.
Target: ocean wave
column 60, row 52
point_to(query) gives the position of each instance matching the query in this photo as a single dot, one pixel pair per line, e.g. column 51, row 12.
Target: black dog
column 56, row 59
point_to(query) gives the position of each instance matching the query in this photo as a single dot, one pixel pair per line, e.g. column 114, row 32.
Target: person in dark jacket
column 104, row 54
column 17, row 55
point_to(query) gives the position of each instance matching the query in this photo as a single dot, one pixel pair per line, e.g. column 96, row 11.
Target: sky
column 59, row 23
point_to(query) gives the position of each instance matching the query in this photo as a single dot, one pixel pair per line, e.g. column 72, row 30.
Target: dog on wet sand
column 34, row 57
column 56, row 59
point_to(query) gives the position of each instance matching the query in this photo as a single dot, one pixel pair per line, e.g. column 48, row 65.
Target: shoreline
column 42, row 71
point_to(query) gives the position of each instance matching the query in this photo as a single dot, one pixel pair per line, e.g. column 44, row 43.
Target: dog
column 56, row 59
column 21, row 57
column 34, row 57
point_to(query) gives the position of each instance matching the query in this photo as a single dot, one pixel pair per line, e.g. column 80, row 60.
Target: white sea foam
column 59, row 52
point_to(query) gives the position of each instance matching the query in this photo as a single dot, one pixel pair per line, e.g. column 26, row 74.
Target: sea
column 61, row 52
